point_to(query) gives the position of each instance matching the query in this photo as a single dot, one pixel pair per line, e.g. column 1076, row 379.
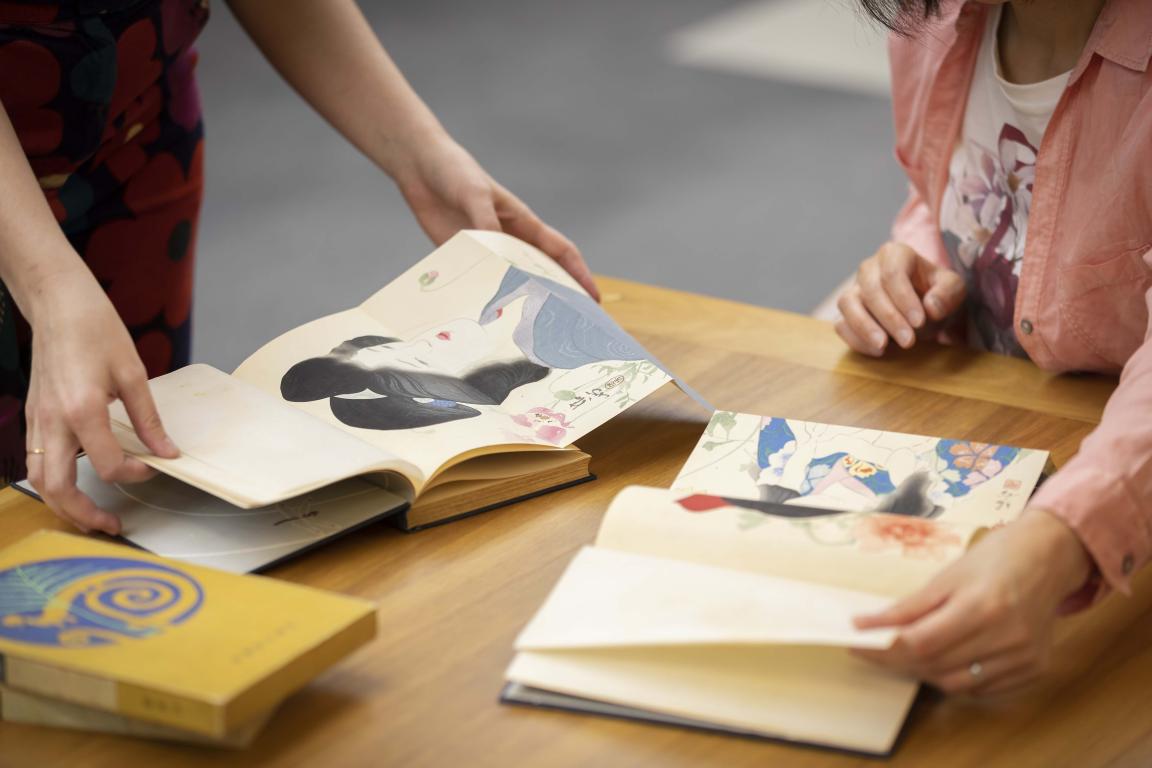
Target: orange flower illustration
column 973, row 455
column 914, row 536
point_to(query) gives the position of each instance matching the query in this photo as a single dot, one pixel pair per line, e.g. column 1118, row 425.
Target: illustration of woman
column 376, row 382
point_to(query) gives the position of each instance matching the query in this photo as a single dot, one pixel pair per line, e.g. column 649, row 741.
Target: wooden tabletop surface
column 452, row 599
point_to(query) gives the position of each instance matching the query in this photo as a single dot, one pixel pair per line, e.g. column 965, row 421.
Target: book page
column 813, row 694
column 611, row 598
column 712, row 644
column 172, row 519
column 880, row 553
column 470, row 349
column 857, row 470
column 244, row 446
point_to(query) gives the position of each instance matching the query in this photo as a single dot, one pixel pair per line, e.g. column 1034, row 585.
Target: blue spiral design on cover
column 82, row 602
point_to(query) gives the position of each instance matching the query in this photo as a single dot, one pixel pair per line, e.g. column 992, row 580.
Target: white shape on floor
column 825, row 43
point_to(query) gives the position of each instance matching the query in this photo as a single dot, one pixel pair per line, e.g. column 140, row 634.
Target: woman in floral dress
column 101, row 174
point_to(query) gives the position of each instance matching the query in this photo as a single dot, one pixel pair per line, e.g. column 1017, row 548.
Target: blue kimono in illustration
column 560, row 327
column 563, row 328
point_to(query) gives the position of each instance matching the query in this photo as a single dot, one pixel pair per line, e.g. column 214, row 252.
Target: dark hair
column 333, row 375
column 901, row 16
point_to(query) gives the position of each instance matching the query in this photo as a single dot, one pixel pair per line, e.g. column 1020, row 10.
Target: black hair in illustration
column 407, row 399
column 909, row 499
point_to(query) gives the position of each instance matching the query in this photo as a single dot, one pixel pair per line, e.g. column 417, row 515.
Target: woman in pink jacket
column 1025, row 130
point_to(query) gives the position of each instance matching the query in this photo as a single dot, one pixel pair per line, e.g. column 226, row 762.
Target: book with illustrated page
column 727, row 601
column 198, row 651
column 460, row 386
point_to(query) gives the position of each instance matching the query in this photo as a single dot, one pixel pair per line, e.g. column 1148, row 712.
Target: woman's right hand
column 897, row 294
column 82, row 359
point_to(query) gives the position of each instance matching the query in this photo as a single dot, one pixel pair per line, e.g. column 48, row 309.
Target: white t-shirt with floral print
column 984, row 215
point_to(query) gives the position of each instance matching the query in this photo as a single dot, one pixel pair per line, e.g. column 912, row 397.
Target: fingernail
column 916, row 318
column 934, row 305
column 906, row 338
column 878, row 341
column 170, row 446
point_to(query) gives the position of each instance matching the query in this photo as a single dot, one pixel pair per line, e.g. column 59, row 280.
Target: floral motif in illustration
column 547, row 424
column 914, row 536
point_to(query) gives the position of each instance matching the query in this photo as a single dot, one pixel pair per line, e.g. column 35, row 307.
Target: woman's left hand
column 984, row 624
column 447, row 191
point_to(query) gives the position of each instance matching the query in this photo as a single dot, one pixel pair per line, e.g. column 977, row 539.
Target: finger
column 137, row 399
column 896, row 264
column 874, row 295
column 60, row 492
column 852, row 339
column 905, row 611
column 521, row 221
column 949, row 637
column 92, row 429
column 993, row 672
column 861, row 322
column 1011, row 682
column 975, row 641
column 945, row 292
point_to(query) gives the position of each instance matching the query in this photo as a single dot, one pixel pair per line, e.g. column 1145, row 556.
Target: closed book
column 32, row 709
column 115, row 629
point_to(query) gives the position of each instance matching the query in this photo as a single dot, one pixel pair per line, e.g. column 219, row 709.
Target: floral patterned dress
column 103, row 98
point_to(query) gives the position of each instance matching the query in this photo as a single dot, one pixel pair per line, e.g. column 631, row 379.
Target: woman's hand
column 447, row 191
column 315, row 45
column 984, row 624
column 897, row 294
column 82, row 360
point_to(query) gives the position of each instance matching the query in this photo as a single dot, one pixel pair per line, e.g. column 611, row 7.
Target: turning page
column 485, row 345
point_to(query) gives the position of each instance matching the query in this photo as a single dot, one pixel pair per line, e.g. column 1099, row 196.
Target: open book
column 727, row 601
column 459, row 386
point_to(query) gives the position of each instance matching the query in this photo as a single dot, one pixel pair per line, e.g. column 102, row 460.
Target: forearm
column 327, row 51
column 33, row 250
column 1105, row 492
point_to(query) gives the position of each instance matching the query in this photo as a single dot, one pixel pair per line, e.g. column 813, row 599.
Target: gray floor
column 734, row 186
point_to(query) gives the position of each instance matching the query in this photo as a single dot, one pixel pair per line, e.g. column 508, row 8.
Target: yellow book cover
column 120, row 630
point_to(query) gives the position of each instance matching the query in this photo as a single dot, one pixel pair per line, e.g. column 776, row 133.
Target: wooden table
column 452, row 599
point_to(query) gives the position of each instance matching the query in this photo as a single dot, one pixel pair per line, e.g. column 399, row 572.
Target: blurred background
column 738, row 149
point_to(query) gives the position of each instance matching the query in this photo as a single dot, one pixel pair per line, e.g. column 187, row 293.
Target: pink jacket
column 1085, row 288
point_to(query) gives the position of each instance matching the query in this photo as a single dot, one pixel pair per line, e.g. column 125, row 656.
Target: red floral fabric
column 103, row 97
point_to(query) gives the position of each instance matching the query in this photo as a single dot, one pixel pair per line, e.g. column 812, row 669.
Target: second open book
column 726, row 602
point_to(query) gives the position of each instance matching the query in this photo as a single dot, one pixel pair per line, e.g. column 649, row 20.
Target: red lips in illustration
column 444, row 336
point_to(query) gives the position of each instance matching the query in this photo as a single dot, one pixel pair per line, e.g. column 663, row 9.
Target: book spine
column 134, row 701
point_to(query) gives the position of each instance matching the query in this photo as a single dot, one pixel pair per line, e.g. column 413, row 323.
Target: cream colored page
column 720, row 645
column 857, row 470
column 267, row 369
column 884, row 554
column 467, row 358
column 243, row 445
column 804, row 693
column 612, row 598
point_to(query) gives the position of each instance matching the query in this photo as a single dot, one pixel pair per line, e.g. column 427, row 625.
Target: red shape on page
column 702, row 502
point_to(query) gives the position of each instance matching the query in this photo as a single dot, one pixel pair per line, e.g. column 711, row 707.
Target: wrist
column 35, row 284
column 400, row 144
column 1069, row 563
